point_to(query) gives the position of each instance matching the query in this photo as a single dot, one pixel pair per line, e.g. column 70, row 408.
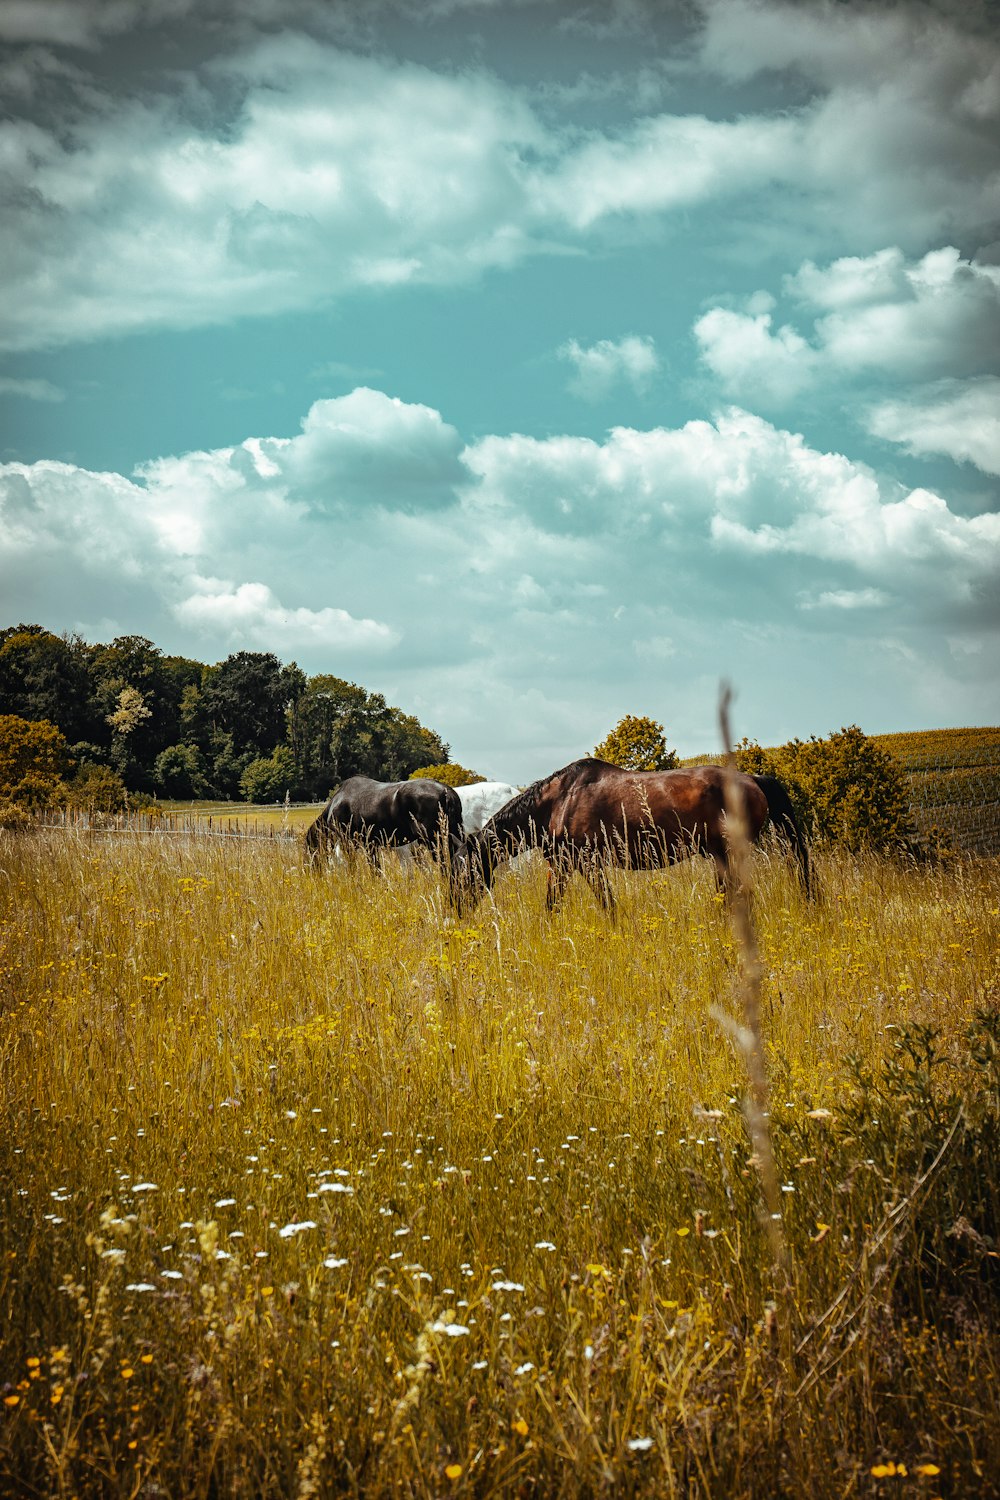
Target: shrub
column 451, row 774
column 34, row 759
column 637, row 744
column 98, row 789
column 269, row 778
column 850, row 790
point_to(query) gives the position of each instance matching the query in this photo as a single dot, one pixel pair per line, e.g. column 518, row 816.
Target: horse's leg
column 596, row 874
column 720, row 857
column 558, row 879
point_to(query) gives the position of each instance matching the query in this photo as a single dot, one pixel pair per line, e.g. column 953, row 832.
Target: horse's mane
column 516, row 814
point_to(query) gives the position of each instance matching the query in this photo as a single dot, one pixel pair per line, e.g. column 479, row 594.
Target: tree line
column 248, row 727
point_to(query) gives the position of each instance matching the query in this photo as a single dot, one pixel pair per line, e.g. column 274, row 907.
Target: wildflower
column 640, row 1444
column 140, row 1286
column 333, row 1264
column 521, row 1426
column 453, row 1330
column 145, row 1187
column 453, row 1471
column 506, row 1286
column 289, row 1230
column 11, row 1400
column 928, row 1469
column 544, row 1245
column 524, row 1369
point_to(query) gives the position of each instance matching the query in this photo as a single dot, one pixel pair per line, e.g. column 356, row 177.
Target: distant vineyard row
column 954, row 777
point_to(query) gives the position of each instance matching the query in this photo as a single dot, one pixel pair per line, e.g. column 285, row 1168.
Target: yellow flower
column 684, row 1231
column 454, row 1471
column 928, row 1469
column 147, row 1359
column 520, row 1426
column 11, row 1400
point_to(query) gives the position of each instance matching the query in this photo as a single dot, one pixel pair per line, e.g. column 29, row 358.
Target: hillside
column 954, row 777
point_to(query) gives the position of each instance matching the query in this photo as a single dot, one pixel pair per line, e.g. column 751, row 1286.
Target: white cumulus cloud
column 599, row 367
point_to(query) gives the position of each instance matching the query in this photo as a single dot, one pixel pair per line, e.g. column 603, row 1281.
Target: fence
column 260, row 824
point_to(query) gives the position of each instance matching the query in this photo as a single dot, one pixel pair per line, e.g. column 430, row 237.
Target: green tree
column 44, row 676
column 180, row 773
column 450, row 773
column 269, row 778
column 637, row 744
column 247, row 697
column 34, row 760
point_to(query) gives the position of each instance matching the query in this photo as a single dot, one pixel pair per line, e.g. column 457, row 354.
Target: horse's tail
column 783, row 816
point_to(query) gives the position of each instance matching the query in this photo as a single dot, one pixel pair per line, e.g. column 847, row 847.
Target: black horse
column 369, row 815
column 591, row 815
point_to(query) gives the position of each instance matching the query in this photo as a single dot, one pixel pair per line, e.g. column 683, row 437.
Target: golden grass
column 310, row 1189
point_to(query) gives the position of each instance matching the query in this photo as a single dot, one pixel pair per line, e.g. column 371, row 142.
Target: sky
column 531, row 362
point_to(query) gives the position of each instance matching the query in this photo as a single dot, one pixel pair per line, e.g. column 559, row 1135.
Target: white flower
column 640, row 1445
column 335, row 1187
column 145, row 1187
column 289, row 1230
column 224, row 1202
column 140, row 1286
column 506, row 1286
column 523, row 1369
column 544, row 1245
column 453, row 1330
column 333, row 1264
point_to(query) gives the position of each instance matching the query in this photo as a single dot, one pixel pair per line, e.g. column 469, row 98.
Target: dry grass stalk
column 748, row 1035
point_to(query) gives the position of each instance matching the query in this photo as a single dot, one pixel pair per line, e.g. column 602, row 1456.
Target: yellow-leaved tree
column 450, row 774
column 34, row 759
column 637, row 744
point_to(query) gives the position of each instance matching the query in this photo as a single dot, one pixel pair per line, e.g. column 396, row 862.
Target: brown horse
column 592, row 815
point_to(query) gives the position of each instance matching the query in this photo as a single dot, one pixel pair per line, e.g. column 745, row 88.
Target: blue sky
column 531, row 363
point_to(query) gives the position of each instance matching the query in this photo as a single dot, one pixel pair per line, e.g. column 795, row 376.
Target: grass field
column 309, row 1189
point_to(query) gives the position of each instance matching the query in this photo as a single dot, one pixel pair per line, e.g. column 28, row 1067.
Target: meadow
column 310, row 1188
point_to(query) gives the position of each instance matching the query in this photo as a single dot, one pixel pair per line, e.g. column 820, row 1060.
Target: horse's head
column 473, row 866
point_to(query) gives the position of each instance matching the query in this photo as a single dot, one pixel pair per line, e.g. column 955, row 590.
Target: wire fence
column 262, row 825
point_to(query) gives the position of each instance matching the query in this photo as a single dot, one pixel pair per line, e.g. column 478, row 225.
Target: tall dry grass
column 309, row 1189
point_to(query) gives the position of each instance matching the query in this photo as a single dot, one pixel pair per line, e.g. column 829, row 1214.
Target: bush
column 637, row 744
column 98, row 789
column 269, row 778
column 179, row 772
column 34, row 759
column 846, row 787
column 451, row 774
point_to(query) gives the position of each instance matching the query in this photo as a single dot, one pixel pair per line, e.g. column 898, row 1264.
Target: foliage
column 97, row 788
column 34, row 759
column 183, row 729
column 449, row 774
column 179, row 771
column 307, row 1188
column 848, row 789
column 271, row 778
column 44, row 676
column 637, row 744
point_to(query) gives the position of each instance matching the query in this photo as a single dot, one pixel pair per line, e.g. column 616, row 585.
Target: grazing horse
column 481, row 800
column 371, row 815
column 592, row 815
